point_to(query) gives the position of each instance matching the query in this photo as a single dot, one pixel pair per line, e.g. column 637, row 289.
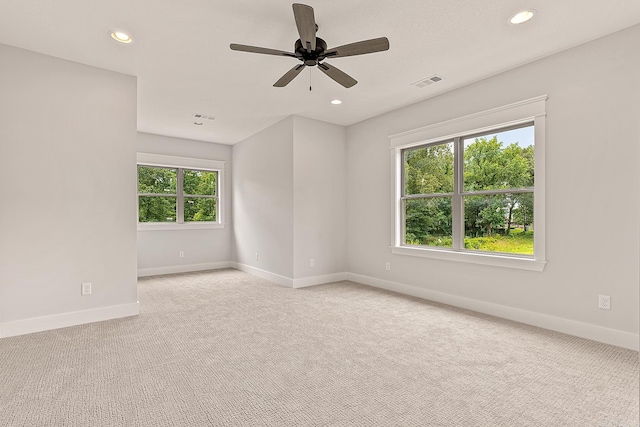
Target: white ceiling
column 182, row 59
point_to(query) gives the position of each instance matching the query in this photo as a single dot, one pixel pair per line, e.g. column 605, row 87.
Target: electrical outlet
column 256, row 256
column 181, row 254
column 387, row 266
column 86, row 289
column 312, row 262
column 604, row 302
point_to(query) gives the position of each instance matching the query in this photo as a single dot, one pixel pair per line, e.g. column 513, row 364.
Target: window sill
column 473, row 258
column 154, row 226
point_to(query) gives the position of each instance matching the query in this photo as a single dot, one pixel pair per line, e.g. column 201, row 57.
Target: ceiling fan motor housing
column 311, row 58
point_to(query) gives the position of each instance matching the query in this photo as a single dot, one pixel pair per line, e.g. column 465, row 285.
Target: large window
column 176, row 195
column 473, row 195
column 473, row 192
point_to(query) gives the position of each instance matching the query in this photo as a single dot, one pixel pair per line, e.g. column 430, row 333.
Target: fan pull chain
column 309, row 79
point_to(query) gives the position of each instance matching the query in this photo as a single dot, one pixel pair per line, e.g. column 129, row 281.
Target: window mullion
column 457, row 209
column 217, row 197
column 180, row 201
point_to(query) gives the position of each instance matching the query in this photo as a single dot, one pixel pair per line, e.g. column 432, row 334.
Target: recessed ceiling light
column 336, row 102
column 121, row 37
column 198, row 123
column 521, row 17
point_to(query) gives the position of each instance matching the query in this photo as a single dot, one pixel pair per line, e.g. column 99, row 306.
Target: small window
column 177, row 195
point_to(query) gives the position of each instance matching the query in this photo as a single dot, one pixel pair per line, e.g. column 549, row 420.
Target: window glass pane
column 499, row 160
column 156, row 209
column 428, row 170
column 499, row 223
column 428, row 221
column 199, row 209
column 200, row 182
column 156, row 180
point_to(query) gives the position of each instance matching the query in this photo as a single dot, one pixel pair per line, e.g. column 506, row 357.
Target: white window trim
column 149, row 159
column 530, row 110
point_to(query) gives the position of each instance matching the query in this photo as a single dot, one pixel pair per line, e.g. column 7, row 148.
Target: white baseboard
column 267, row 275
column 287, row 282
column 63, row 320
column 558, row 324
column 156, row 271
column 319, row 280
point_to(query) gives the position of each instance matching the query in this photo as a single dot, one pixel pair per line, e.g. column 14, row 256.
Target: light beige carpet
column 224, row 348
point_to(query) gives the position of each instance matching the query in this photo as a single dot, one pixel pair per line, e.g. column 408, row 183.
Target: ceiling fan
column 312, row 50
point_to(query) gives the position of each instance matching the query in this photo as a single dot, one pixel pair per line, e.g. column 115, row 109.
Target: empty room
column 340, row 213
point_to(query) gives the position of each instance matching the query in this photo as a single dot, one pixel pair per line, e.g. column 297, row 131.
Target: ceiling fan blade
column 306, row 23
column 339, row 76
column 358, row 48
column 290, row 75
column 263, row 50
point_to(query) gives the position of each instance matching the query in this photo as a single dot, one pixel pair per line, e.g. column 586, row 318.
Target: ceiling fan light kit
column 312, row 51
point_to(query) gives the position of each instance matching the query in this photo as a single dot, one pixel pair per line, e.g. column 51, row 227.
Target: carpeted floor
column 224, row 348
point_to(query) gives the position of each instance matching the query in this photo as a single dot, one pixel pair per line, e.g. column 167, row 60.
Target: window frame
column 531, row 111
column 180, row 164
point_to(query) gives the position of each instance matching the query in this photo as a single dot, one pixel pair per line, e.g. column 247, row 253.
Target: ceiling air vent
column 428, row 81
column 203, row 117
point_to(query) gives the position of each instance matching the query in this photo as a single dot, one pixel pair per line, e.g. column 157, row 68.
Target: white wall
column 592, row 192
column 289, row 202
column 319, row 198
column 158, row 250
column 263, row 200
column 67, row 138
